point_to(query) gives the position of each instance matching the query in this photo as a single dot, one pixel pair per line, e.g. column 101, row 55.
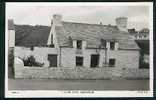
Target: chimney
column 11, row 33
column 121, row 23
column 57, row 20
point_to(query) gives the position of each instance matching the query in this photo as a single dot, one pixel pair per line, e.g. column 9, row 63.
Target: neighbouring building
column 11, row 45
column 142, row 39
column 78, row 50
column 143, row 34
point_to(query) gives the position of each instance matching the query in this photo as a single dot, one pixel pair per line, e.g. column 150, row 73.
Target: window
column 103, row 43
column 112, row 45
column 51, row 39
column 52, row 60
column 32, row 48
column 94, row 61
column 79, row 44
column 79, row 61
column 111, row 62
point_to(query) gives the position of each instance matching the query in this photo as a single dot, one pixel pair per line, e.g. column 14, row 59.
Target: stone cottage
column 72, row 50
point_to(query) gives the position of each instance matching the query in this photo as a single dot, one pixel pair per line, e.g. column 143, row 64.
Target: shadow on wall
column 144, row 53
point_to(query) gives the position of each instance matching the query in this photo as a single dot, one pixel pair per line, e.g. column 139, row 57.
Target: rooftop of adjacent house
column 144, row 31
column 27, row 35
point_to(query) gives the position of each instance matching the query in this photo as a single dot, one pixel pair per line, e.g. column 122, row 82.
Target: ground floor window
column 79, row 61
column 112, row 62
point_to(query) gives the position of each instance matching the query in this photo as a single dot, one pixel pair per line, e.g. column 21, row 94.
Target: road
column 51, row 84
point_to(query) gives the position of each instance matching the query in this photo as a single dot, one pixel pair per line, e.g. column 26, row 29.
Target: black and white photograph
column 79, row 49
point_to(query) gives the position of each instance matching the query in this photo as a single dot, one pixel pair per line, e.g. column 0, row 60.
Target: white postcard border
column 80, row 93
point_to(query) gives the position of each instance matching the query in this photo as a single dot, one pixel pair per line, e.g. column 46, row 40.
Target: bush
column 11, row 63
column 30, row 61
column 11, row 58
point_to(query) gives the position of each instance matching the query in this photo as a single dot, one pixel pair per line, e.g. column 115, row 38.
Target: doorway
column 52, row 60
column 94, row 60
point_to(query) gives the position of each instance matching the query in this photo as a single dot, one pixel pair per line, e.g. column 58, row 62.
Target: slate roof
column 92, row 33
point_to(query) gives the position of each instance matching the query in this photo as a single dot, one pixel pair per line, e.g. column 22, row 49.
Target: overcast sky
column 41, row 14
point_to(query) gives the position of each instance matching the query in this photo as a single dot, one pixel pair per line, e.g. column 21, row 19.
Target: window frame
column 114, row 62
column 32, row 48
column 103, row 43
column 113, row 45
column 80, row 61
column 77, row 44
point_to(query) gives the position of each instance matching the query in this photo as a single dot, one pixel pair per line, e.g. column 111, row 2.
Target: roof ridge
column 88, row 23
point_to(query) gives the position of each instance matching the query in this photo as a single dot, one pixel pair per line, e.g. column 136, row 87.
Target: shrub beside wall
column 11, row 62
column 31, row 61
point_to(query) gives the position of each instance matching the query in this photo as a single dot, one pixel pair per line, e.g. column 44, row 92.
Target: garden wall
column 81, row 73
column 40, row 53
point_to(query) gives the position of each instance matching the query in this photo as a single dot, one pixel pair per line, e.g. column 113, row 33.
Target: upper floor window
column 79, row 44
column 32, row 48
column 103, row 43
column 112, row 45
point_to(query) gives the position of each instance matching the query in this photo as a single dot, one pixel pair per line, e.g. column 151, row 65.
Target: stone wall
column 124, row 58
column 135, row 73
column 80, row 73
column 127, row 64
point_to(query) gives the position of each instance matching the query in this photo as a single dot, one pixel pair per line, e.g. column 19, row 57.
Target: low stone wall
column 81, row 73
column 135, row 73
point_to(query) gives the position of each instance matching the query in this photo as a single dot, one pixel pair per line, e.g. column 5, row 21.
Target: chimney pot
column 121, row 23
column 57, row 20
column 11, row 24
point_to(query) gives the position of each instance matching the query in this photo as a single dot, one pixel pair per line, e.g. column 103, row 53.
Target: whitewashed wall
column 40, row 53
column 124, row 58
column 127, row 59
column 11, row 38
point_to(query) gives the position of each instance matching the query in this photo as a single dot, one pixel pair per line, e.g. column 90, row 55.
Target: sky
column 41, row 14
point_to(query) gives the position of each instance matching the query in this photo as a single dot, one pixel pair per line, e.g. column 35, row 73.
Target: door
column 52, row 60
column 94, row 61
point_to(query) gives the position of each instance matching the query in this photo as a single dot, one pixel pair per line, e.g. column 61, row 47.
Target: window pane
column 79, row 44
column 112, row 45
column 111, row 62
column 103, row 43
column 79, row 61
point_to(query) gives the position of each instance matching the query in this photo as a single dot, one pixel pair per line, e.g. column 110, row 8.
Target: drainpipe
column 105, row 56
column 60, row 57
